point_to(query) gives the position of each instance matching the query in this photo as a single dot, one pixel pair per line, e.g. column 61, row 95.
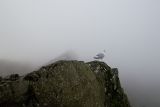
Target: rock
column 11, row 92
column 114, row 94
column 0, row 78
column 65, row 84
column 14, row 77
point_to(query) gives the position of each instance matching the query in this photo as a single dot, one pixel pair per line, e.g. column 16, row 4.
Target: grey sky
column 37, row 31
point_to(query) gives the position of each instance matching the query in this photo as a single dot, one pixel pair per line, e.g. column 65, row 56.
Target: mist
column 35, row 32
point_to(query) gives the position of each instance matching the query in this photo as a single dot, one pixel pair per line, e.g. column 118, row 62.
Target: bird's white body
column 100, row 56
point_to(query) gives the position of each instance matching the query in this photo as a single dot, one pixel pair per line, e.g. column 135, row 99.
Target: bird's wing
column 100, row 54
column 95, row 57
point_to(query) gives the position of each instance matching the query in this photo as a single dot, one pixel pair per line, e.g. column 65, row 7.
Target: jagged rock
column 65, row 84
column 114, row 94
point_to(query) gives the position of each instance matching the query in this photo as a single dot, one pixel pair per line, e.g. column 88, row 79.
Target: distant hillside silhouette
column 9, row 67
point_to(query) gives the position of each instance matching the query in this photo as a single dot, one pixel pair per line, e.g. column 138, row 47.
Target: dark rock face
column 65, row 84
column 0, row 78
column 108, row 78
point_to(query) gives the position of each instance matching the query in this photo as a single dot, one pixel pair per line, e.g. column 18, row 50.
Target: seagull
column 100, row 55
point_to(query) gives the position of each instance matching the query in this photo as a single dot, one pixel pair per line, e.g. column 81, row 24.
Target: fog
column 34, row 32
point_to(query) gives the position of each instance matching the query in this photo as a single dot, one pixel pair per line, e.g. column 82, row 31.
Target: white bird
column 100, row 55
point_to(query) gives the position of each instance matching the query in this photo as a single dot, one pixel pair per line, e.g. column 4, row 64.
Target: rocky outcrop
column 108, row 78
column 65, row 84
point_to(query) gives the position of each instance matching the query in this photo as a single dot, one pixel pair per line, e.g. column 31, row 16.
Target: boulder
column 65, row 84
